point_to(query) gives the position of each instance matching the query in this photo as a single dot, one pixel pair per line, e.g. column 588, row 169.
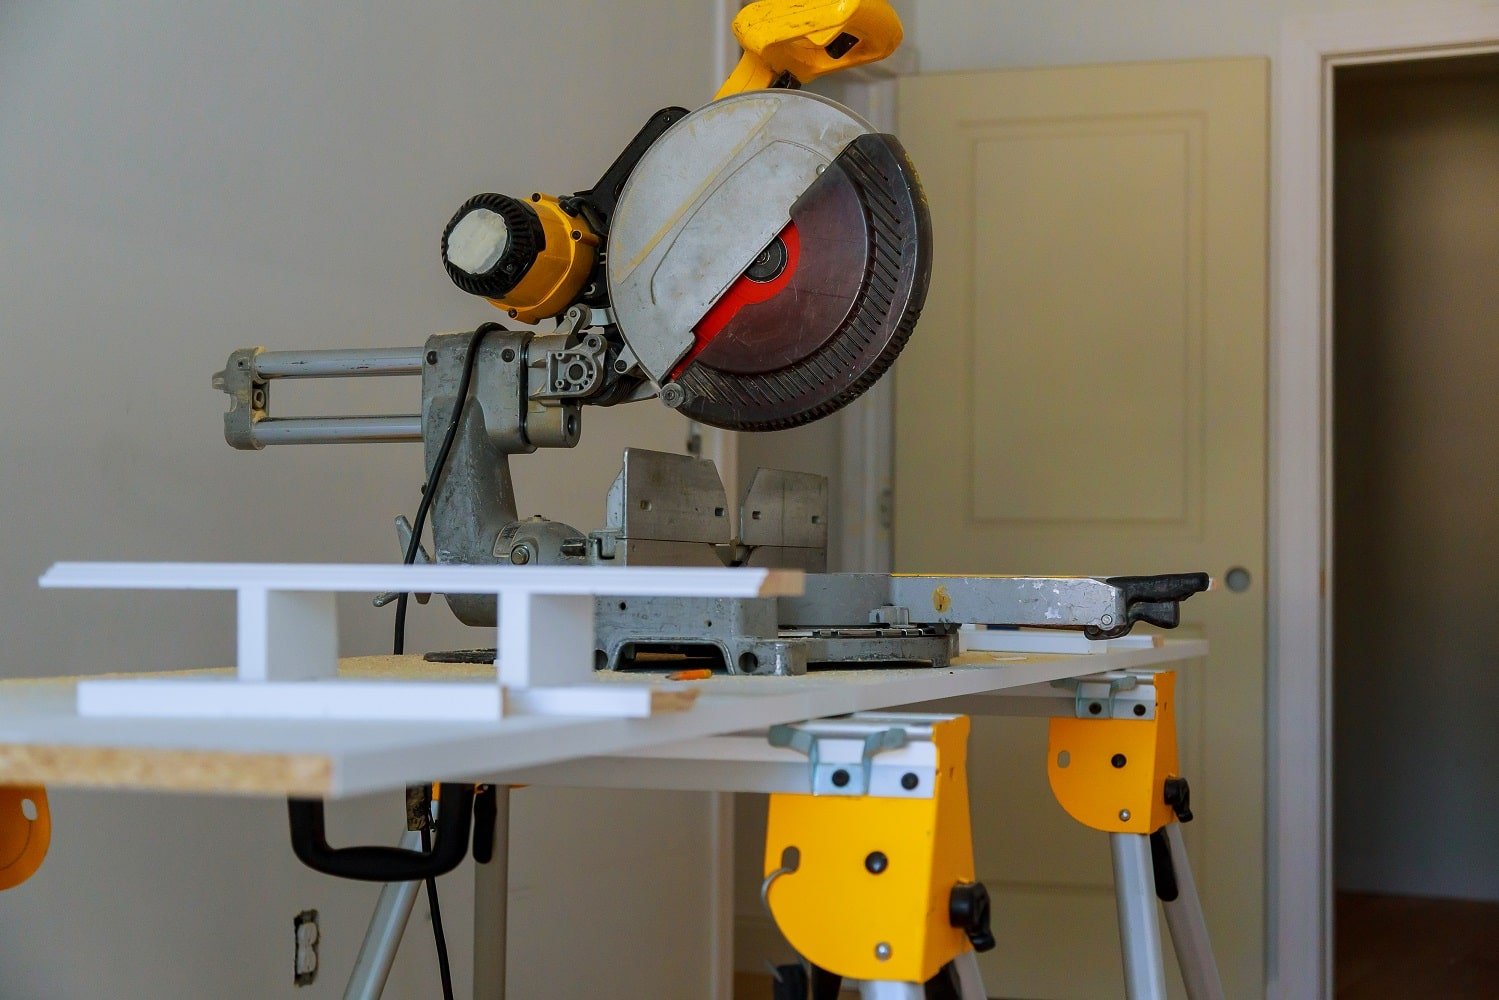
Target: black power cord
column 398, row 644
column 430, row 489
column 438, row 938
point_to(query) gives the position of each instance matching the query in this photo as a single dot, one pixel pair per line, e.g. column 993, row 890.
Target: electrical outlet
column 304, row 961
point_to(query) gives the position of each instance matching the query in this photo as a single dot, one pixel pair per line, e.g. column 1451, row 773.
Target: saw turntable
column 756, row 264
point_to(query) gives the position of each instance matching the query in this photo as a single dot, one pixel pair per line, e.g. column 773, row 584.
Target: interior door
column 1087, row 396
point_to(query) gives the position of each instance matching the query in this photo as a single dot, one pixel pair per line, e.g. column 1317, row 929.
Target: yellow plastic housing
column 836, row 913
column 556, row 279
column 805, row 38
column 24, row 838
column 1117, row 799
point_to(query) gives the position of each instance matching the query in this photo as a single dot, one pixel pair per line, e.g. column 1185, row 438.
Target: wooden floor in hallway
column 1388, row 948
column 1401, row 947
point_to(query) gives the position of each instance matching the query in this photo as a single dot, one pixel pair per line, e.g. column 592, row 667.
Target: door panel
column 1087, row 231
column 1086, row 395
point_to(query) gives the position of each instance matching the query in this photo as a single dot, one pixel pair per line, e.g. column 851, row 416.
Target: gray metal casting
column 1042, row 602
column 474, row 517
column 663, row 509
column 783, row 520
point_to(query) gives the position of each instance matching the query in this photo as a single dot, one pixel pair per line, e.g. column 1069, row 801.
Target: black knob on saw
column 968, row 910
column 491, row 243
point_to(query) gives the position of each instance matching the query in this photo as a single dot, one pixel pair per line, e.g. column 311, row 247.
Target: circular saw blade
column 773, row 354
column 763, row 324
column 768, row 259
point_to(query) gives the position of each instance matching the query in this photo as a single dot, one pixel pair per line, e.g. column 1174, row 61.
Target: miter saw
column 755, row 264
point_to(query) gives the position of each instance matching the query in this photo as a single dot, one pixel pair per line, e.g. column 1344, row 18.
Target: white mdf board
column 288, row 630
column 43, row 738
column 1011, row 640
column 373, row 578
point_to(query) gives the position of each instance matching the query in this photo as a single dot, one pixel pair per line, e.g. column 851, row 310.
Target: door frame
column 1299, row 725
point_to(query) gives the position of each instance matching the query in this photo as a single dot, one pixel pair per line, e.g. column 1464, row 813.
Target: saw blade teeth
column 826, row 372
column 799, row 380
column 843, row 354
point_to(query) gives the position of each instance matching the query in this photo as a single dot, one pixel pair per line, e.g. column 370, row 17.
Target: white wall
column 995, row 34
column 1416, row 317
column 181, row 179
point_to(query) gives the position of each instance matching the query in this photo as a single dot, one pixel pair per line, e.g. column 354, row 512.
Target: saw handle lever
column 1156, row 600
column 788, row 43
column 309, row 841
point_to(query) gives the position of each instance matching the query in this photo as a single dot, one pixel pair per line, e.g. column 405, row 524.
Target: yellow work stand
column 870, row 876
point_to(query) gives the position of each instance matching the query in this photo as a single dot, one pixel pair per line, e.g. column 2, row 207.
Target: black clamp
column 968, row 909
column 1178, row 796
column 309, row 841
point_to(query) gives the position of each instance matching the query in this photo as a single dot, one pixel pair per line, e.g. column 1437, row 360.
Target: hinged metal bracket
column 1119, row 694
column 882, row 756
column 1109, row 768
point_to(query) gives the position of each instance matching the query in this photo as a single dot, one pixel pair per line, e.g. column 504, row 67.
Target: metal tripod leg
column 1189, row 931
column 378, row 952
column 393, row 910
column 886, row 989
column 491, row 902
column 1139, row 929
column 970, row 979
column 969, row 983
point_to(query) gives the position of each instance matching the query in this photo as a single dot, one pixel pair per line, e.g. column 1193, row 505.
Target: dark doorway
column 1416, row 514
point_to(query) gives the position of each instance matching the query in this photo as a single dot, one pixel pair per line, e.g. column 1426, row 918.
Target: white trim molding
column 1299, row 834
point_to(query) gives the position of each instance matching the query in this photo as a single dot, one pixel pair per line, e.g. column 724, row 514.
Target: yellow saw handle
column 25, row 832
column 805, row 39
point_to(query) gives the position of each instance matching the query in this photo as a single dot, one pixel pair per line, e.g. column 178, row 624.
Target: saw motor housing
column 530, row 258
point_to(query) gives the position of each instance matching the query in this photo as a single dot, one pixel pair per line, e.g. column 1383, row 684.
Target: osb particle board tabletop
column 43, row 740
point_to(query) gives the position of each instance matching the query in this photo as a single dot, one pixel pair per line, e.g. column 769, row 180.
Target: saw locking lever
column 403, row 535
column 791, row 44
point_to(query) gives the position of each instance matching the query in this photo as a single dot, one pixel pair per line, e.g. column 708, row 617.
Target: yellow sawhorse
column 870, row 875
column 25, row 832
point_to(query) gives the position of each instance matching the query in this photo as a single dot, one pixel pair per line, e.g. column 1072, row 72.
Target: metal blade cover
column 774, row 280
